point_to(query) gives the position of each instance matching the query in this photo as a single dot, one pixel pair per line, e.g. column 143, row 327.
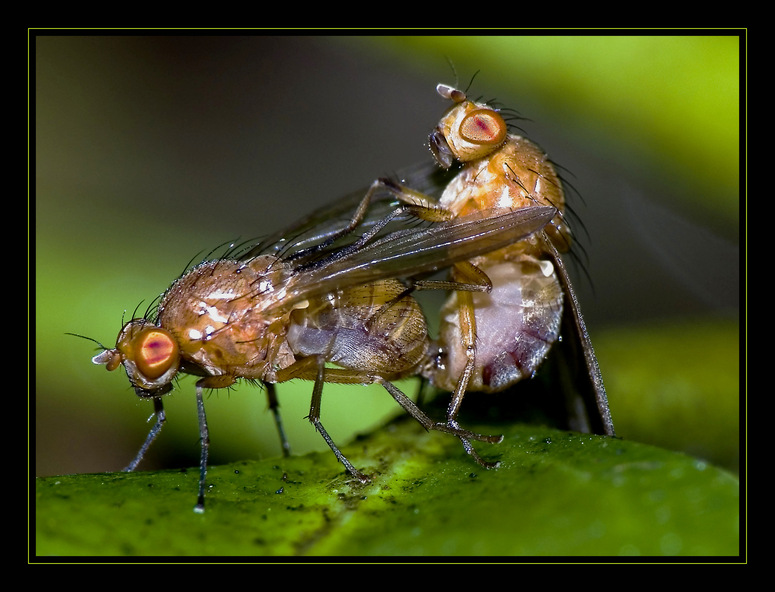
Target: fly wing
column 414, row 251
column 585, row 397
column 318, row 226
column 327, row 221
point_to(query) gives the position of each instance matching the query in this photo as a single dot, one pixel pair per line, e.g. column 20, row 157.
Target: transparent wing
column 327, row 221
column 320, row 225
column 586, row 401
column 414, row 251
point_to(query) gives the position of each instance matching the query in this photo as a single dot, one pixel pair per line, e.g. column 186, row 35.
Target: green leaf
column 555, row 493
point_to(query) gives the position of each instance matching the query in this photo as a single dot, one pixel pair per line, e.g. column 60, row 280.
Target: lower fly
column 277, row 317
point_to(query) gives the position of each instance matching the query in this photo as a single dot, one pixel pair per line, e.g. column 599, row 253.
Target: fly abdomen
column 370, row 328
column 517, row 322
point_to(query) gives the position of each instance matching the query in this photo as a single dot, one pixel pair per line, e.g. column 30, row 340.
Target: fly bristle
column 101, row 347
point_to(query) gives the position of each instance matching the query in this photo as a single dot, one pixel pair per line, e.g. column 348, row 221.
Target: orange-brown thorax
column 500, row 170
column 216, row 313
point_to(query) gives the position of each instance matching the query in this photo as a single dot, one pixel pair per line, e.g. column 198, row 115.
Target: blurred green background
column 152, row 149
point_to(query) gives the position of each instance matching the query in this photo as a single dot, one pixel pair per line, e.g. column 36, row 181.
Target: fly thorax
column 218, row 313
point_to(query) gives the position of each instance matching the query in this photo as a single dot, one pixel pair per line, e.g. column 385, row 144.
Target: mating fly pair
column 326, row 291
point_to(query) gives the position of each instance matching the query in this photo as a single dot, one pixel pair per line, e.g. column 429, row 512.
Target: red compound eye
column 155, row 352
column 483, row 126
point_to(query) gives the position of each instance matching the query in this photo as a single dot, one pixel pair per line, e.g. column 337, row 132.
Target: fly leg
column 429, row 424
column 204, row 435
column 466, row 278
column 303, row 370
column 467, row 320
column 158, row 410
column 274, row 407
column 314, row 418
column 220, row 381
column 314, row 368
column 345, row 376
column 410, row 200
column 418, row 203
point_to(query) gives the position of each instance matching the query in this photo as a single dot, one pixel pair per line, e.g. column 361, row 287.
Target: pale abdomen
column 516, row 325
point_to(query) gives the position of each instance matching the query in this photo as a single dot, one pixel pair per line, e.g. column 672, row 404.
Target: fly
column 530, row 284
column 496, row 336
column 319, row 293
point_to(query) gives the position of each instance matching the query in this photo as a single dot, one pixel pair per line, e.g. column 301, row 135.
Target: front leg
column 204, row 436
column 158, row 408
column 410, row 200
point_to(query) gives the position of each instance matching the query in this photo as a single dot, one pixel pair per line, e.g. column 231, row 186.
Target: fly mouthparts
column 110, row 358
